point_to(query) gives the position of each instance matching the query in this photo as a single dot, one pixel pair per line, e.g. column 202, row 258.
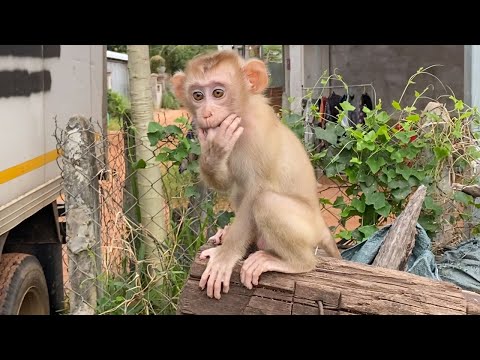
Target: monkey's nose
column 207, row 114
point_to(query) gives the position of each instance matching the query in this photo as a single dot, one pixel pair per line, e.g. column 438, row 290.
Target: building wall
column 117, row 73
column 388, row 68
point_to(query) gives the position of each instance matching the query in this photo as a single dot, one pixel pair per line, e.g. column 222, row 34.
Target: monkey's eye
column 218, row 93
column 197, row 95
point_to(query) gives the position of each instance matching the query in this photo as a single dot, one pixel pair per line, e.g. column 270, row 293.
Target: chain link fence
column 129, row 251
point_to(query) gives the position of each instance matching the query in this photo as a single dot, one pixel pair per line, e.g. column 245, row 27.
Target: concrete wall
column 118, row 72
column 388, row 68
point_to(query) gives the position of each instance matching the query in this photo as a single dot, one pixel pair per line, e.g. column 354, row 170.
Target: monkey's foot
column 218, row 237
column 258, row 263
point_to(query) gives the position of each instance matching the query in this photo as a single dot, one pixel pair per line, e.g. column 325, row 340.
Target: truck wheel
column 23, row 288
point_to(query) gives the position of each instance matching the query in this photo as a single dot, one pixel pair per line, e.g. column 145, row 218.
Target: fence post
column 82, row 215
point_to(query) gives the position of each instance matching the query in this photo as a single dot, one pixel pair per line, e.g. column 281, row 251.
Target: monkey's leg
column 290, row 233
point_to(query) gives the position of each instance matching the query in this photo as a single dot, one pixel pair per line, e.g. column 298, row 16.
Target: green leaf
column 390, row 173
column 163, row 157
column 413, row 181
column 417, row 94
column 441, row 152
column 385, row 211
column 181, row 120
column 410, row 152
column 401, row 193
column 339, row 130
column 359, row 205
column 352, row 174
column 383, row 130
column 459, row 105
column 345, row 234
column 463, row 198
column 191, row 191
column 355, row 160
column 195, row 148
column 371, row 136
column 377, row 199
column 382, row 117
column 375, row 163
column 154, row 127
column 339, row 202
column 396, row 105
column 399, row 183
column 389, row 148
column 404, row 136
column 346, row 106
column 365, row 145
column 404, row 170
column 194, row 167
column 325, row 201
column 368, row 190
column 430, row 204
column 173, row 130
column 179, row 154
column 140, row 164
column 346, row 211
column 413, row 117
column 367, row 230
column 329, row 134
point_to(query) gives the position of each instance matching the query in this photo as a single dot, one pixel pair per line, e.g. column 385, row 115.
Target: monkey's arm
column 215, row 173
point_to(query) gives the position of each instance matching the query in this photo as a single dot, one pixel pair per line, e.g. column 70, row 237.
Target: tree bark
column 150, row 192
column 400, row 239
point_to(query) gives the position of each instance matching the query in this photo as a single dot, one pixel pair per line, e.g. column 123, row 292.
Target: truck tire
column 23, row 288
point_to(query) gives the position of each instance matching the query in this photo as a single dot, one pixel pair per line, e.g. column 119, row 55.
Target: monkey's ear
column 178, row 82
column 257, row 75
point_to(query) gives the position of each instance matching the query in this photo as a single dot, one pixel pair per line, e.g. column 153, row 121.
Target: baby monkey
column 249, row 153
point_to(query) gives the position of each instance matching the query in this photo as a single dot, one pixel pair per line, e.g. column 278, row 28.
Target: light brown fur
column 262, row 165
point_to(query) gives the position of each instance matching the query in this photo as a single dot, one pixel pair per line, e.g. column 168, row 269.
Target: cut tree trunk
column 400, row 239
column 335, row 287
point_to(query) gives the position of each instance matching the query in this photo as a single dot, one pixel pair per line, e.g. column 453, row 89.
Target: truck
column 41, row 88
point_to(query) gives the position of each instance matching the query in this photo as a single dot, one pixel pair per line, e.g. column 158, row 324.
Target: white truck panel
column 28, row 123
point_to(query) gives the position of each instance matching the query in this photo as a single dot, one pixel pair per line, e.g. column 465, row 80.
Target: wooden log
column 400, row 239
column 335, row 287
column 473, row 190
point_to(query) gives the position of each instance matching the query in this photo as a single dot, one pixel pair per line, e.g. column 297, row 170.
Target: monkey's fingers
column 234, row 138
column 205, row 276
column 211, row 281
column 226, row 281
column 202, row 137
column 227, row 121
column 217, row 286
column 249, row 272
column 232, row 127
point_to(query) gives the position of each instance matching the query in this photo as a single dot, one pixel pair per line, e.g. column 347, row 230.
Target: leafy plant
column 384, row 160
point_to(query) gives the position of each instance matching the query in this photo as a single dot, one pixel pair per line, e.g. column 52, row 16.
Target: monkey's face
column 211, row 103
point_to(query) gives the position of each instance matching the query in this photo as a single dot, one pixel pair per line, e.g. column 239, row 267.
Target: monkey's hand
column 218, row 272
column 217, row 143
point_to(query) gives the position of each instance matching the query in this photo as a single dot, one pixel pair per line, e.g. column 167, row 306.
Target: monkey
column 255, row 158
